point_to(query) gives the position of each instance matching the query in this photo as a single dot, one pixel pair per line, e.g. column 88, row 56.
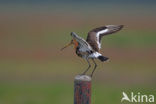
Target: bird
column 89, row 49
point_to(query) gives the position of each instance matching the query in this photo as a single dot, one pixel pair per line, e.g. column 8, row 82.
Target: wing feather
column 84, row 46
column 95, row 35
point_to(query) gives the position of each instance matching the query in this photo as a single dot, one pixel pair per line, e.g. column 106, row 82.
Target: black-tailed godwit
column 89, row 48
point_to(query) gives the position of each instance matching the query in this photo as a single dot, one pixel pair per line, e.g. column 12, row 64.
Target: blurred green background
column 33, row 70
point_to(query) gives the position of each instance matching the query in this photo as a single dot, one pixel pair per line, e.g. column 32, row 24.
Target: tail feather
column 102, row 58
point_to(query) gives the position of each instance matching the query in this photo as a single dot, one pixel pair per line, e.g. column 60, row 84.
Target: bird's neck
column 75, row 44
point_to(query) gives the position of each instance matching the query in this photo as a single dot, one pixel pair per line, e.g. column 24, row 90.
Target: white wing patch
column 98, row 36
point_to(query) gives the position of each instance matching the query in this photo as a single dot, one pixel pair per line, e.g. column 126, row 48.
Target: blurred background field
column 33, row 70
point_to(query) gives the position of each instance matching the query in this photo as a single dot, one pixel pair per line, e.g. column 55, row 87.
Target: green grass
column 62, row 93
column 34, row 94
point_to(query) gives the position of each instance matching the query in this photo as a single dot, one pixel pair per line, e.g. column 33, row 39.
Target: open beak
column 66, row 46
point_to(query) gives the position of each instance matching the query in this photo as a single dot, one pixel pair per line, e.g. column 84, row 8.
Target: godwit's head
column 72, row 42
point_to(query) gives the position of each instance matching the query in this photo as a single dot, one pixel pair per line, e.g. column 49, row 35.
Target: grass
column 62, row 93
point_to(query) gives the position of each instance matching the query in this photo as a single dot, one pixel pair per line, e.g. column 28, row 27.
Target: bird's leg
column 94, row 68
column 89, row 65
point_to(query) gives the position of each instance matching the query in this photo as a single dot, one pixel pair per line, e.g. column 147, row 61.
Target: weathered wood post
column 82, row 89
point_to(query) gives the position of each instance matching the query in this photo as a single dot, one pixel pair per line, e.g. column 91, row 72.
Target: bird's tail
column 103, row 58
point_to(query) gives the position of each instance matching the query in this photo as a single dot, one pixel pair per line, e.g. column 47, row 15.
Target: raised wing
column 95, row 35
column 84, row 46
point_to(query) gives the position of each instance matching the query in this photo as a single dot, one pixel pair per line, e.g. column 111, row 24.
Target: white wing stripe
column 98, row 36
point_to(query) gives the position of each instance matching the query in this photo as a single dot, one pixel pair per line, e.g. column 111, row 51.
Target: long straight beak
column 66, row 46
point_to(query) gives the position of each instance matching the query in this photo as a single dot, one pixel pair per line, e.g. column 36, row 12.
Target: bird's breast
column 82, row 53
column 78, row 52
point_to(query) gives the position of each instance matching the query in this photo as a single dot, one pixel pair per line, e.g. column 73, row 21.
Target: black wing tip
column 114, row 28
column 121, row 26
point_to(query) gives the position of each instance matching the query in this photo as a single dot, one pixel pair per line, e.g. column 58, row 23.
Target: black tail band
column 102, row 58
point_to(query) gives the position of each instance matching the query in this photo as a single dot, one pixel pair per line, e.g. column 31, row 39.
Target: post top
column 83, row 78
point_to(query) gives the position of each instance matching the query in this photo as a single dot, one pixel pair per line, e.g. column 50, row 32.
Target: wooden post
column 82, row 89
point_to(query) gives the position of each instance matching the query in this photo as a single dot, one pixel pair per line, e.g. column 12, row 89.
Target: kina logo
column 137, row 97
